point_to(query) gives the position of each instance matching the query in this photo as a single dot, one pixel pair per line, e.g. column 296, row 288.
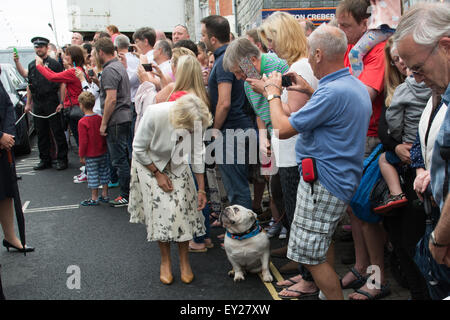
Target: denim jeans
column 117, row 140
column 234, row 175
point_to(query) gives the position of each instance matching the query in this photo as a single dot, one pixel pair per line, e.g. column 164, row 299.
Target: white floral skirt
column 169, row 217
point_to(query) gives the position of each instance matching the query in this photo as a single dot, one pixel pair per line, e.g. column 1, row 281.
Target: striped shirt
column 269, row 64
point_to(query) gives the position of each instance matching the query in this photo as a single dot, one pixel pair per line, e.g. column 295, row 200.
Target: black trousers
column 405, row 229
column 48, row 130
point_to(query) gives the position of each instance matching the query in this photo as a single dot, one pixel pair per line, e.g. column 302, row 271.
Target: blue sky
column 21, row 20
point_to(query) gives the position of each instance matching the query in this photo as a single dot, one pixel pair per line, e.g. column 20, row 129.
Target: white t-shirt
column 150, row 57
column 132, row 66
column 166, row 69
column 285, row 149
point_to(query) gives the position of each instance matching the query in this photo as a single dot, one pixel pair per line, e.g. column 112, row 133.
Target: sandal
column 300, row 296
column 357, row 283
column 385, row 291
column 284, row 286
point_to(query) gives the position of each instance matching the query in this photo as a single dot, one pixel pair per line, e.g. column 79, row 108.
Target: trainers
column 119, row 202
column 274, row 230
column 283, row 234
column 104, row 200
column 82, row 178
column 392, row 202
column 89, row 203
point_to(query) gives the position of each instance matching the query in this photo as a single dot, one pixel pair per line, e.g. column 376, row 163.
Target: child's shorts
column 97, row 171
column 392, row 158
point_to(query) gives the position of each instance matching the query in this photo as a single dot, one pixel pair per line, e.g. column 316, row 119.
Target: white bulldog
column 248, row 248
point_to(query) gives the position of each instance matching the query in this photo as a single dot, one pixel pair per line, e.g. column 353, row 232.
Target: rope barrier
column 36, row 116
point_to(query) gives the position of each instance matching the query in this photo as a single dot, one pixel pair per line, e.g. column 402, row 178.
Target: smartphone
column 16, row 52
column 249, row 69
column 91, row 73
column 286, row 81
column 148, row 67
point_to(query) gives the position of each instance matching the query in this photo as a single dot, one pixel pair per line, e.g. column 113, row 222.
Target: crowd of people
column 322, row 107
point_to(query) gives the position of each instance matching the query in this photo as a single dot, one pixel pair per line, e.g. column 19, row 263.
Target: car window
column 16, row 79
column 5, row 81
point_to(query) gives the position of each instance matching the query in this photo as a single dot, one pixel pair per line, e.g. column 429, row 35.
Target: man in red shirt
column 352, row 18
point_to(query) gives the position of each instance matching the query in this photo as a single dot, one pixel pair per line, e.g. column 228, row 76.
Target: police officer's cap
column 40, row 41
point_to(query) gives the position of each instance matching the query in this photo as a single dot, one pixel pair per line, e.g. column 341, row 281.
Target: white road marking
column 25, row 206
column 58, row 208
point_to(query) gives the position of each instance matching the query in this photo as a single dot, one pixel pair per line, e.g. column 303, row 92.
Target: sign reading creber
column 316, row 15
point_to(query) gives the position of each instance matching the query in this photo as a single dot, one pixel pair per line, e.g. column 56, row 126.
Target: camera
column 91, row 73
column 148, row 67
column 286, row 82
column 131, row 49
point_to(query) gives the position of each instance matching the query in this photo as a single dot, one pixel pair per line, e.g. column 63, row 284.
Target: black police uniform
column 45, row 95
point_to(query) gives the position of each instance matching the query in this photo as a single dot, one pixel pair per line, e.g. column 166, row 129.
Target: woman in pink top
column 73, row 58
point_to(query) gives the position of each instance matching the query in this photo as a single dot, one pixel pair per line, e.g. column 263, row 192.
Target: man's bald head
column 330, row 40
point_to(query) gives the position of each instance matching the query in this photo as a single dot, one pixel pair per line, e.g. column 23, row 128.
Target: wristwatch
column 434, row 243
column 273, row 96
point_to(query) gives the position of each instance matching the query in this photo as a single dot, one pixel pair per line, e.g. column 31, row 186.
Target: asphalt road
column 112, row 256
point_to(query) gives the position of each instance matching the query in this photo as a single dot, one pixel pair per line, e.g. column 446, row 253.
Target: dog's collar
column 252, row 232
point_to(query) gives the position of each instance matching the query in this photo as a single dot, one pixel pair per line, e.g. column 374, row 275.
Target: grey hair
column 122, row 42
column 165, row 47
column 331, row 40
column 426, row 22
column 237, row 50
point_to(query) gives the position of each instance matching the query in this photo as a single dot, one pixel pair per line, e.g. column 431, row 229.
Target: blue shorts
column 97, row 171
column 392, row 158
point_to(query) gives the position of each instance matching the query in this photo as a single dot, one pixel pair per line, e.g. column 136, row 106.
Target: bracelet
column 202, row 192
column 271, row 84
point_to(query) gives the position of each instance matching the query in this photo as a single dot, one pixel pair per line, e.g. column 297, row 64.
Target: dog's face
column 237, row 219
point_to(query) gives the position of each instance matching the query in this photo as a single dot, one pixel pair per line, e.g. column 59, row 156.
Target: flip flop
column 292, row 282
column 300, row 296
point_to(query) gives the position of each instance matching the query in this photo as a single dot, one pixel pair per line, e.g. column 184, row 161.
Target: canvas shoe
column 81, row 178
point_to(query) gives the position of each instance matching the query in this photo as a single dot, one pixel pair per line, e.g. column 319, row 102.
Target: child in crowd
column 93, row 151
column 403, row 117
column 384, row 19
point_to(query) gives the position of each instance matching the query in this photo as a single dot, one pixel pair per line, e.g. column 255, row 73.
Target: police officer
column 46, row 97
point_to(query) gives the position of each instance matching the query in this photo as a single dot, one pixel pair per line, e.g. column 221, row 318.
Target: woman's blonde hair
column 392, row 77
column 188, row 110
column 189, row 77
column 179, row 52
column 287, row 35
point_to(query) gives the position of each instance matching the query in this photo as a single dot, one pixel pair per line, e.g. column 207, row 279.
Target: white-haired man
column 423, row 42
column 77, row 39
column 338, row 109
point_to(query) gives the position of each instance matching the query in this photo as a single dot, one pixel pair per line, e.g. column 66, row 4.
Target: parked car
column 26, row 55
column 16, row 86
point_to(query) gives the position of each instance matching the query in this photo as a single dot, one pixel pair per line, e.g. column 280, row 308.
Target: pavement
column 110, row 256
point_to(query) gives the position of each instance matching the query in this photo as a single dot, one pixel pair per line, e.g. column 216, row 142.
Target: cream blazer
column 157, row 142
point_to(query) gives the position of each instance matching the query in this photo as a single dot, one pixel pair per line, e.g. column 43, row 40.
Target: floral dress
column 169, row 217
